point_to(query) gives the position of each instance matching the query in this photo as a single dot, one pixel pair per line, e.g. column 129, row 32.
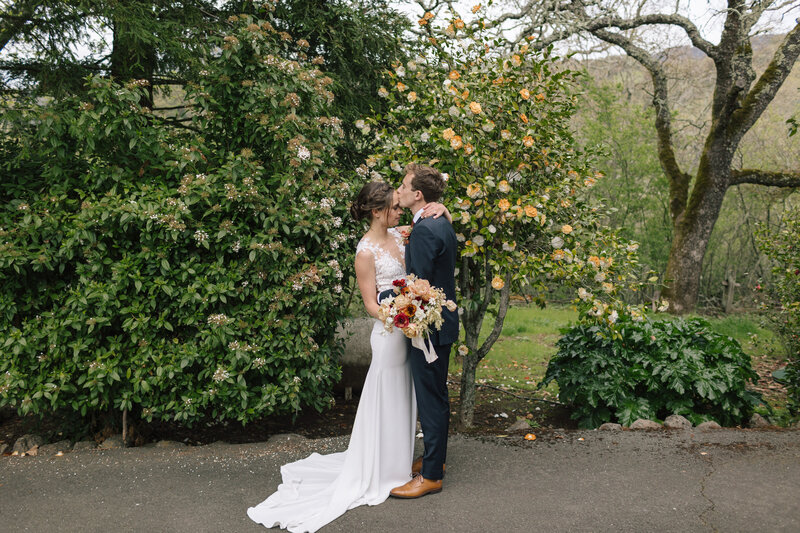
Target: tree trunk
column 466, row 408
column 131, row 58
column 692, row 229
column 472, row 321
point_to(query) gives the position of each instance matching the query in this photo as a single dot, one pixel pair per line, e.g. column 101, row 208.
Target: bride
column 320, row 488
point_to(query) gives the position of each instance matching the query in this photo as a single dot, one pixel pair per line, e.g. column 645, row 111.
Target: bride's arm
column 435, row 210
column 365, row 275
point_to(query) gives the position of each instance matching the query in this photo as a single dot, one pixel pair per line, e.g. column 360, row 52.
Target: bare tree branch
column 768, row 84
column 674, row 20
column 679, row 181
column 187, row 106
column 765, row 177
column 577, row 19
column 497, row 328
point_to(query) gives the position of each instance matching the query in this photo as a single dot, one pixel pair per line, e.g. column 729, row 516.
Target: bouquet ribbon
column 426, row 347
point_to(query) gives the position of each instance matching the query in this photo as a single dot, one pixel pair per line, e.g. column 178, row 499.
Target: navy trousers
column 433, row 406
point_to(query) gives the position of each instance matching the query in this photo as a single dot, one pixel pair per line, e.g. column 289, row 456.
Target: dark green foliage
column 359, row 40
column 50, row 46
column 654, row 368
column 176, row 273
column 782, row 247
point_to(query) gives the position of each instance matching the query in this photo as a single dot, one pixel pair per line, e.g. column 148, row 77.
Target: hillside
column 692, row 76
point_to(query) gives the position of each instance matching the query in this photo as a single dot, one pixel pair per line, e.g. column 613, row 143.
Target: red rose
column 399, row 283
column 401, row 321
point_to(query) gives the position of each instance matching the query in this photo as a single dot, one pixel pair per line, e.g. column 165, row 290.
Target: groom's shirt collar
column 418, row 214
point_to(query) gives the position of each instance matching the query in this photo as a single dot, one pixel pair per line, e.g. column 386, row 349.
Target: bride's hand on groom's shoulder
column 435, row 210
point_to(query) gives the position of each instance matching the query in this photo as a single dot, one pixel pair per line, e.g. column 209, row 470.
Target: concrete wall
column 357, row 353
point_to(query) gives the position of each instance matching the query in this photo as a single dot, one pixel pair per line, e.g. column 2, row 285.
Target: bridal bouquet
column 415, row 308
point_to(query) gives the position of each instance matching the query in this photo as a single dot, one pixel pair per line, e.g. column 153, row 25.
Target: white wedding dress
column 320, row 488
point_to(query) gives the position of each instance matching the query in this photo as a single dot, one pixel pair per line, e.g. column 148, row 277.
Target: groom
column 431, row 255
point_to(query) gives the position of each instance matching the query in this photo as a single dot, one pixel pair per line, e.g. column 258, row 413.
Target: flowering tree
column 177, row 273
column 498, row 126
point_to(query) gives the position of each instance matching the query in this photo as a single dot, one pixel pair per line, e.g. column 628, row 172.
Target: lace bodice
column 387, row 267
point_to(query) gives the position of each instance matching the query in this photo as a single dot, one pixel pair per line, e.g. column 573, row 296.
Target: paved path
column 725, row 480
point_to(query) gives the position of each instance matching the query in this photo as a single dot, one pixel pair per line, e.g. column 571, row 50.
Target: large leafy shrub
column 782, row 247
column 177, row 273
column 654, row 368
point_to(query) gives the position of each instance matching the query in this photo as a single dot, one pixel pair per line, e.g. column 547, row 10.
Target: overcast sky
column 708, row 15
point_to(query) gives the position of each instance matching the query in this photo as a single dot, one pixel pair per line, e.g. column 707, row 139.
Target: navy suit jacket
column 431, row 255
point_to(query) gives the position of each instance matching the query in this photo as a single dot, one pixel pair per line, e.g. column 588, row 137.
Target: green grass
column 518, row 360
column 740, row 327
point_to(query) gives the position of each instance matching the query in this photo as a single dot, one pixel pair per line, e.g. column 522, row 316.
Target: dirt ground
column 495, row 412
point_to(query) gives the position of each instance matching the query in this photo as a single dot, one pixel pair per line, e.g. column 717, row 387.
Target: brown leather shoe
column 416, row 466
column 418, row 486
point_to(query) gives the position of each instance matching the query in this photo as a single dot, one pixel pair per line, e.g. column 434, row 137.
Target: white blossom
column 220, row 375
column 218, row 319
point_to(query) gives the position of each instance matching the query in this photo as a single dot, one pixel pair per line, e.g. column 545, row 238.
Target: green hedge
column 177, row 273
column 652, row 369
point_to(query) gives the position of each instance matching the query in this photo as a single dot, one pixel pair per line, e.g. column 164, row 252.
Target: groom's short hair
column 426, row 180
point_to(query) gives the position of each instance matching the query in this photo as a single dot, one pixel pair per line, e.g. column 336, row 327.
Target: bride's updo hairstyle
column 374, row 195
